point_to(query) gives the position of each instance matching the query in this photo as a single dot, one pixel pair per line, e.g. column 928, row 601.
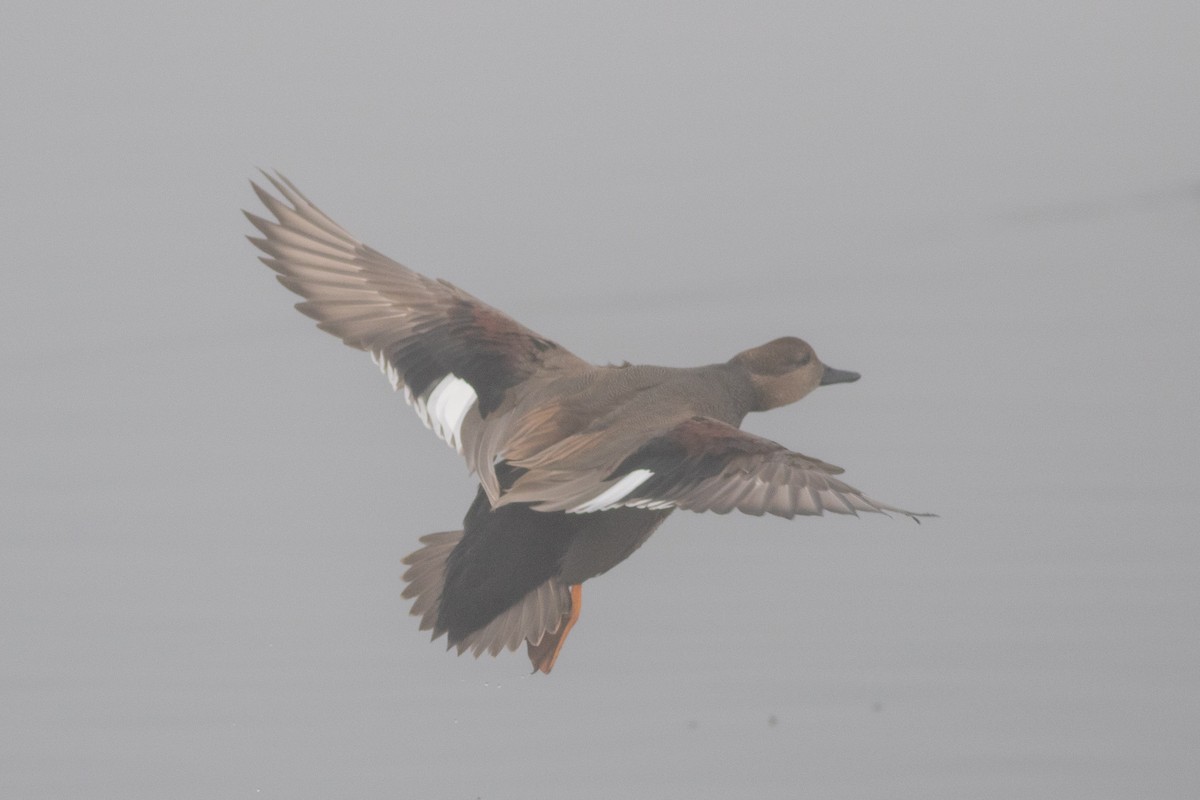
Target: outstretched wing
column 452, row 354
column 703, row 464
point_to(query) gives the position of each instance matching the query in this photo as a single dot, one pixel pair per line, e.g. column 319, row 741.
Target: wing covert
column 703, row 464
column 453, row 354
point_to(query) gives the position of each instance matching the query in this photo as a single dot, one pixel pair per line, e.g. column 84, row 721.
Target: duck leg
column 545, row 653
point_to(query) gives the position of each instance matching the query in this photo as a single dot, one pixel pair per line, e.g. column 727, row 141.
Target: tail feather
column 541, row 612
column 426, row 575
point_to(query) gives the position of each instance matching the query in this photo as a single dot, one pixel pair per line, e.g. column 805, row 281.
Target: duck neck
column 738, row 398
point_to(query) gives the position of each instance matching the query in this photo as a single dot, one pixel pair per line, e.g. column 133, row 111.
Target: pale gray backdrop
column 990, row 210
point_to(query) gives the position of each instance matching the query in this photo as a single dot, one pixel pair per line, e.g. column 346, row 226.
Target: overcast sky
column 992, row 211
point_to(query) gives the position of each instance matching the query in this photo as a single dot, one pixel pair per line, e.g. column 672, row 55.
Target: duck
column 577, row 463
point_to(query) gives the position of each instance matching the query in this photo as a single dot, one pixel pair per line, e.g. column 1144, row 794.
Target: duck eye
column 803, row 360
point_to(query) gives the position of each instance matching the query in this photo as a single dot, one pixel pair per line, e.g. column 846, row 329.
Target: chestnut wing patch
column 467, row 338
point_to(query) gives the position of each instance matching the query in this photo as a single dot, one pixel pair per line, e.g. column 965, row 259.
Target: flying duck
column 577, row 463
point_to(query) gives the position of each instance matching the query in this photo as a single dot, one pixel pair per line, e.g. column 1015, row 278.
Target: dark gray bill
column 832, row 375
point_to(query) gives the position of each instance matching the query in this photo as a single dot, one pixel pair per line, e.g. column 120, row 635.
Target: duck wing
column 703, row 464
column 455, row 357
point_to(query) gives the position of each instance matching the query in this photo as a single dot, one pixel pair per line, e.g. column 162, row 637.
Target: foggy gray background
column 992, row 211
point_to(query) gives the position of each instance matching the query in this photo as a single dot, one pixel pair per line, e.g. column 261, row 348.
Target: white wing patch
column 443, row 408
column 653, row 505
column 393, row 375
column 612, row 496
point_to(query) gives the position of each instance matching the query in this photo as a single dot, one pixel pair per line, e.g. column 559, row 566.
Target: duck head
column 786, row 369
